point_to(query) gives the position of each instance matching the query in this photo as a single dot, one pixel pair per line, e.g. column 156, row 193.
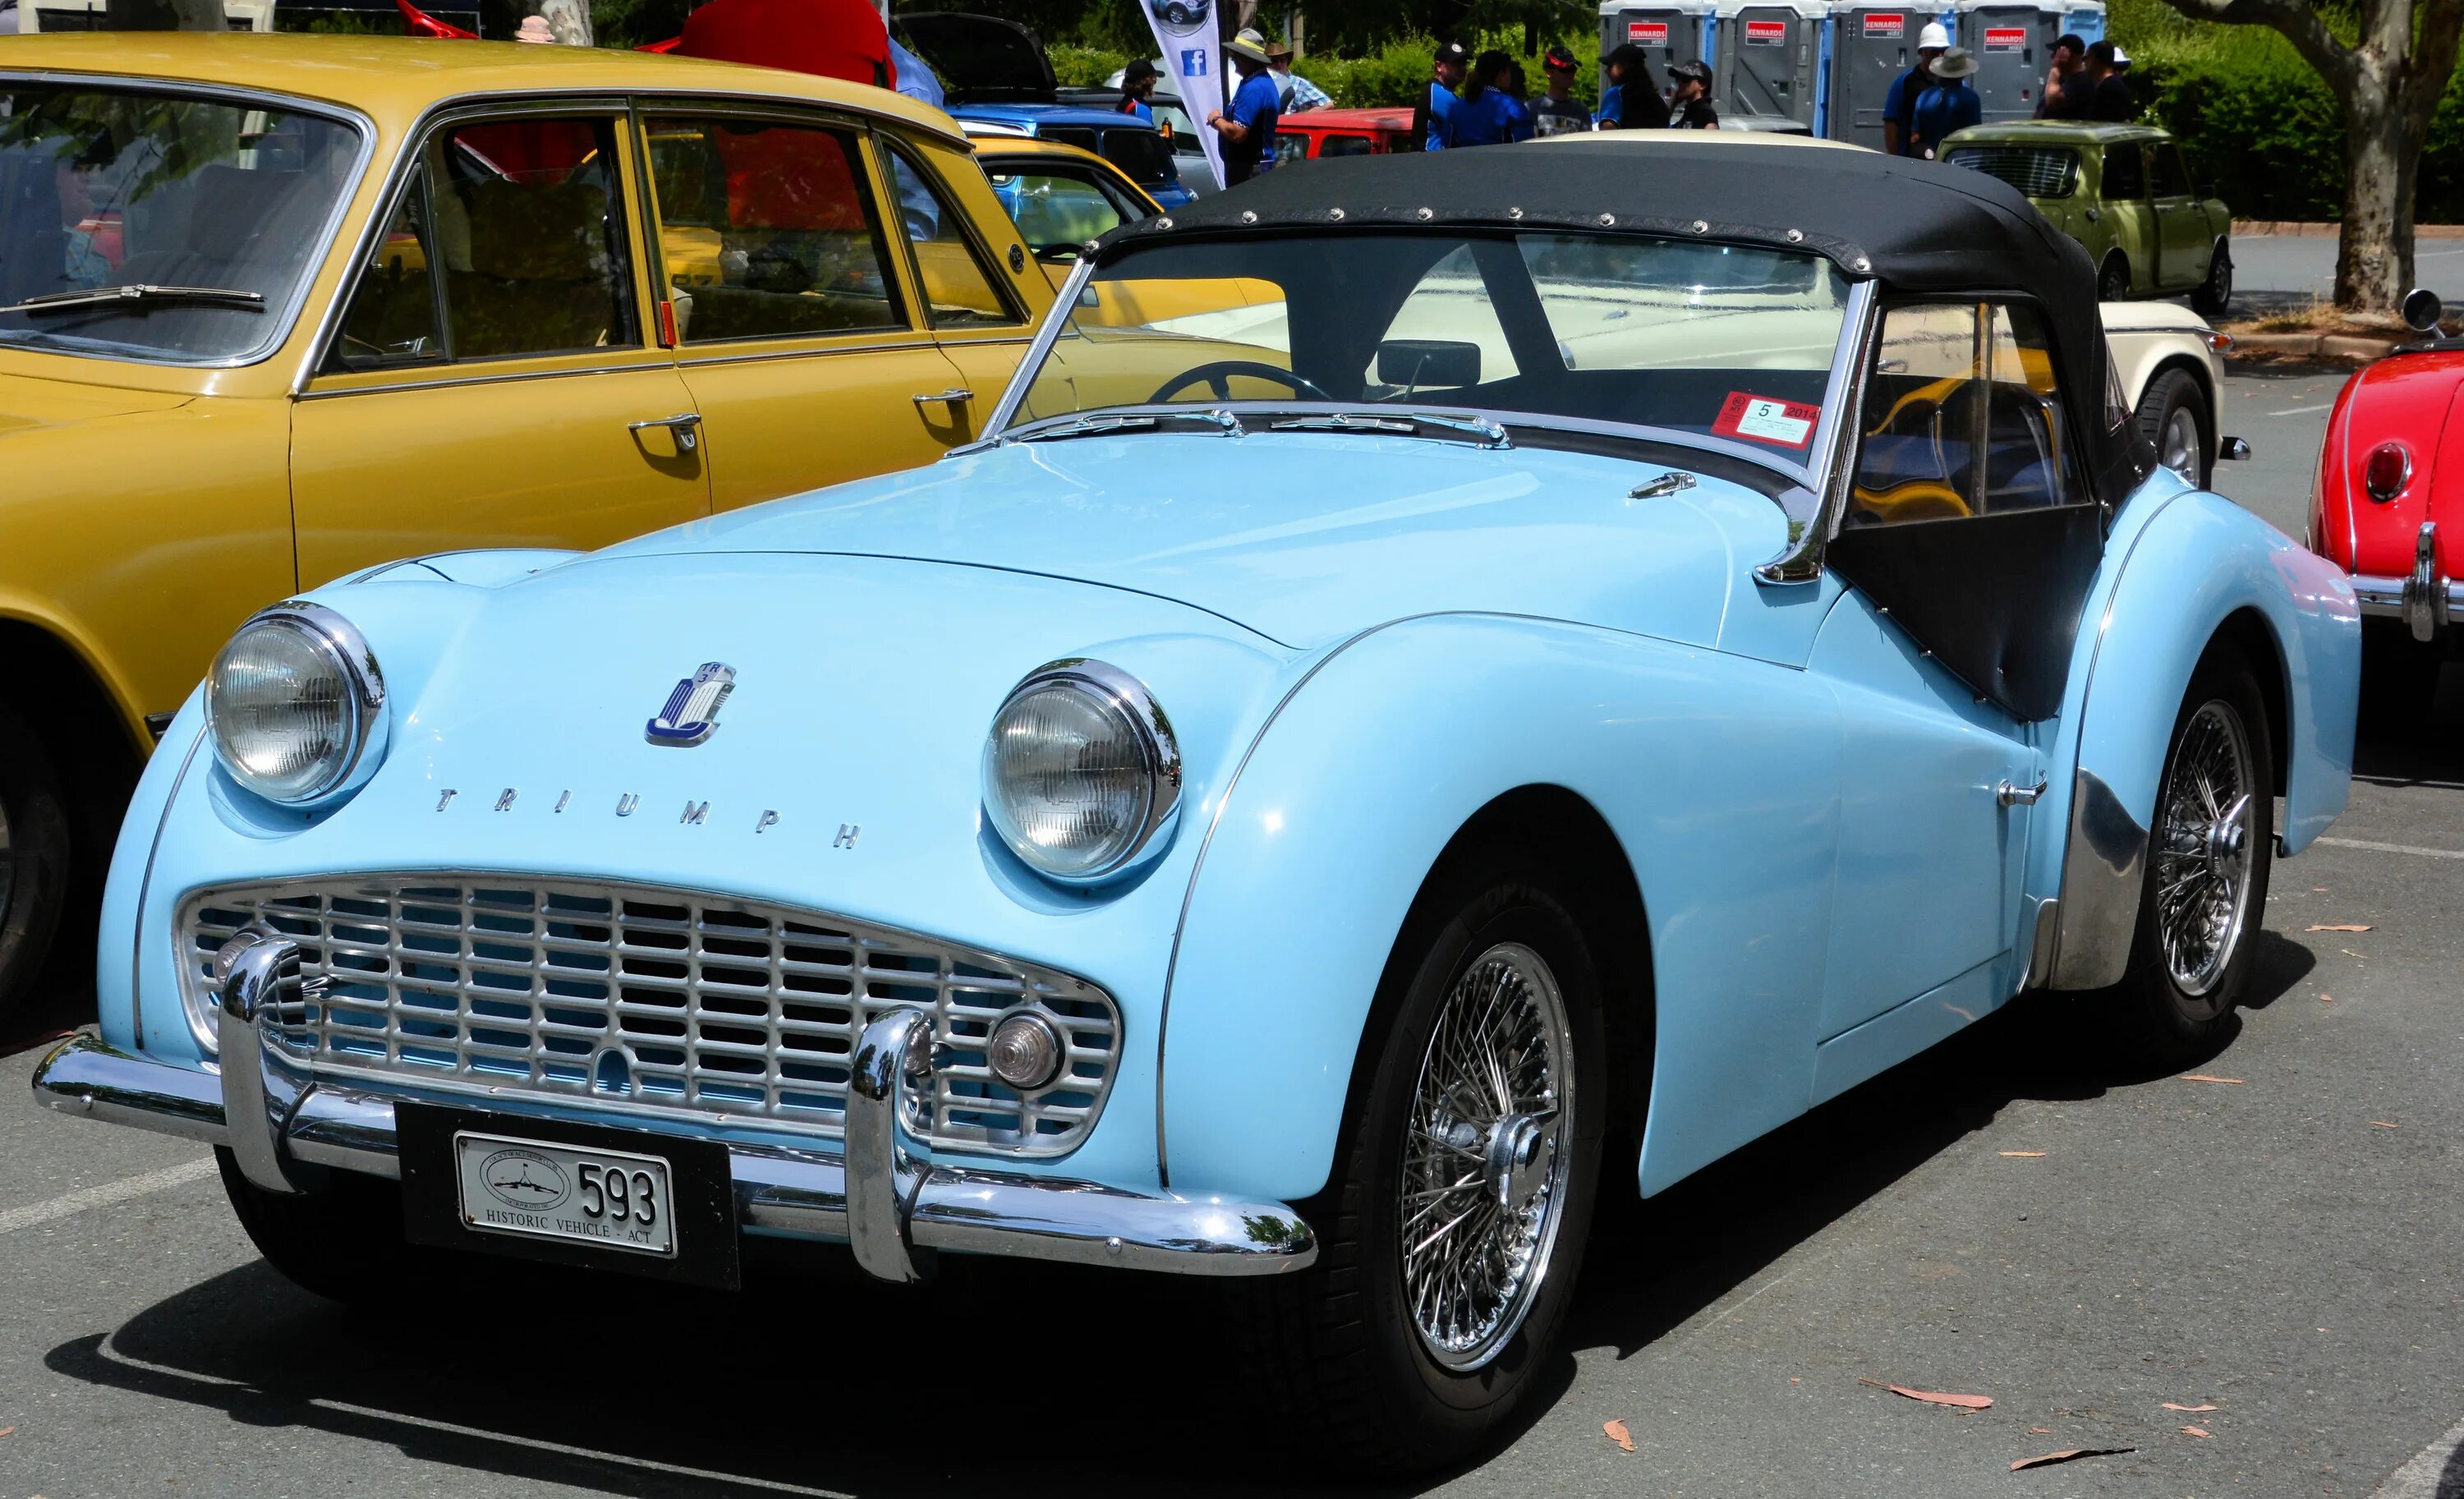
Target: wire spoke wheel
column 2207, row 824
column 1486, row 1157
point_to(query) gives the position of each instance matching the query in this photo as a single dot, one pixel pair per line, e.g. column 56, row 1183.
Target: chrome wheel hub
column 2178, row 444
column 1485, row 1161
column 2206, row 822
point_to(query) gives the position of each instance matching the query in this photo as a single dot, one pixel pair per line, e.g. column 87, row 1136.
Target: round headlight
column 297, row 704
column 1081, row 771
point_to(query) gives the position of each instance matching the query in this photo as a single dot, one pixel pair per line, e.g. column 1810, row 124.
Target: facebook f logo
column 1193, row 62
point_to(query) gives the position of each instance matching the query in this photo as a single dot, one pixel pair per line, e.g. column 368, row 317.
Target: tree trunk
column 2374, row 248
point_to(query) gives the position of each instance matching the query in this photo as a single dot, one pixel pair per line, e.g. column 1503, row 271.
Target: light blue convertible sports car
column 1440, row 663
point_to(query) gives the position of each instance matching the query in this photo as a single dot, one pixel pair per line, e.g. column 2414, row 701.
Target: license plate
column 603, row 1199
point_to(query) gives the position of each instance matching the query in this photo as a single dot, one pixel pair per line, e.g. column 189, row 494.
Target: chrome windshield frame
column 1064, row 303
column 1835, row 438
column 296, row 300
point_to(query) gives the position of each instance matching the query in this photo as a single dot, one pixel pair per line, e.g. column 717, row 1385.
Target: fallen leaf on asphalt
column 2207, row 1077
column 2385, row 1125
column 1793, row 1379
column 2194, row 1431
column 2192, row 1409
column 2040, row 1431
column 2341, row 926
column 2073, row 1455
column 2348, row 952
column 2326, row 999
column 2023, row 1152
column 1618, row 1434
column 7, row 1431
column 1975, row 1402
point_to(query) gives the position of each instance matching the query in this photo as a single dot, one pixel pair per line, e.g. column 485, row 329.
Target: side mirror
column 1428, row 362
column 2421, row 310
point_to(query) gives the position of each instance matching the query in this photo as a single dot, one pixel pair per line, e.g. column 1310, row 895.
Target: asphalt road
column 2007, row 1216
column 2274, row 270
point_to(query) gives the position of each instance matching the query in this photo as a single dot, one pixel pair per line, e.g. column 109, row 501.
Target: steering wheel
column 1217, row 374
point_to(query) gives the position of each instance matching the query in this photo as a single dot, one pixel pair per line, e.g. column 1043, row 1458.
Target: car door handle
column 2009, row 793
column 950, row 397
column 684, row 423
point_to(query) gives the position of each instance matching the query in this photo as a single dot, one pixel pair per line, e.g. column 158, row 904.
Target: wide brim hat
column 1955, row 62
column 1248, row 44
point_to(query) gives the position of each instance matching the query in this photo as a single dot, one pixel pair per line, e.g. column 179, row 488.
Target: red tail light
column 2387, row 471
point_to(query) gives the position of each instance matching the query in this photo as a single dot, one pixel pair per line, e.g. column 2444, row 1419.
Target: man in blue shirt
column 1488, row 113
column 1137, row 86
column 1432, row 120
column 1948, row 105
column 1248, row 126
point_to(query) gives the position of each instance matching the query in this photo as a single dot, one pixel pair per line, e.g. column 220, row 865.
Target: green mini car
column 2124, row 192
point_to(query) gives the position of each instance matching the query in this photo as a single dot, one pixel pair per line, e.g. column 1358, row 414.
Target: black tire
column 2213, row 294
column 2168, row 1021
column 35, row 846
column 1333, row 1353
column 2113, row 278
column 343, row 1242
column 2171, row 400
column 2399, row 678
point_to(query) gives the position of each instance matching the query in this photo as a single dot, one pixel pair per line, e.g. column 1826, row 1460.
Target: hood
column 979, row 57
column 30, row 402
column 1304, row 538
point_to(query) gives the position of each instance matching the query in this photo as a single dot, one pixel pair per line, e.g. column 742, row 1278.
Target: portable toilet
column 1773, row 56
column 2014, row 43
column 1667, row 31
column 2086, row 22
column 1871, row 45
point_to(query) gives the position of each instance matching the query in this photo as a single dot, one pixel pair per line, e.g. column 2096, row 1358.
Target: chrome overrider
column 2426, row 599
column 286, row 1128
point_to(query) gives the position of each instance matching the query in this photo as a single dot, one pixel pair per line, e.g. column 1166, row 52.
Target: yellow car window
column 958, row 290
column 767, row 231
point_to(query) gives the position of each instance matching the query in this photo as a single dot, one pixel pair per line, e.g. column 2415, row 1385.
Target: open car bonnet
column 980, row 57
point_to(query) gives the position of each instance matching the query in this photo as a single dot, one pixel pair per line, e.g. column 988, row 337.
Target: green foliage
column 2261, row 129
column 1084, row 67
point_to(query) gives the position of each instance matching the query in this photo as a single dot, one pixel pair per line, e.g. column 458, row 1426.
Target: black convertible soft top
column 1919, row 227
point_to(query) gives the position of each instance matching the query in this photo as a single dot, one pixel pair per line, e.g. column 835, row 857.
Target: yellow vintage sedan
column 276, row 308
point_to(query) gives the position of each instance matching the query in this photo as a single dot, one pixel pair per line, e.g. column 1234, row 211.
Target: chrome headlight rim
column 365, row 722
column 1124, row 695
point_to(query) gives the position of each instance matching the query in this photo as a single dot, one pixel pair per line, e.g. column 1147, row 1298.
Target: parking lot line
column 2305, row 410
column 2392, row 848
column 2425, row 1476
column 106, row 1195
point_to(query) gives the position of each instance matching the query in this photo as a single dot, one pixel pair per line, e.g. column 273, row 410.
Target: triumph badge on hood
column 692, row 713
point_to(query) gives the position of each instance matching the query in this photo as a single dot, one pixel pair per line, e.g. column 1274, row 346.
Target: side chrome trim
column 1844, row 397
column 2041, row 937
column 851, row 344
column 2102, row 873
column 1064, row 303
column 647, row 361
column 145, row 888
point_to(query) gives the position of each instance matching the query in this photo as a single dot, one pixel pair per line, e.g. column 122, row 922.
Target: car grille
column 649, row 1000
column 2039, row 172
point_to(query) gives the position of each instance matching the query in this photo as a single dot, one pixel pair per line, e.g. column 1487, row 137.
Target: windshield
column 1713, row 339
column 215, row 209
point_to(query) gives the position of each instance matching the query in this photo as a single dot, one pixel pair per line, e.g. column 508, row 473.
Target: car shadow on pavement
column 1035, row 1378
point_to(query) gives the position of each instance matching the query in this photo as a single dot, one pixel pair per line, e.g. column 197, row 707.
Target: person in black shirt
column 1689, row 108
column 2110, row 99
column 1557, row 111
column 2065, row 92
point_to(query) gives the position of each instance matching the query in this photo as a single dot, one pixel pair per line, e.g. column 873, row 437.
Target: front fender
column 1718, row 775
column 2180, row 563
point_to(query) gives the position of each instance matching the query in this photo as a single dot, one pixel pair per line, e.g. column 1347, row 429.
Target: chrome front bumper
column 281, row 1124
column 2426, row 599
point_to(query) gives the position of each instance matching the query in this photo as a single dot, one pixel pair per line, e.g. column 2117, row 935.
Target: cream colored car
column 2171, row 368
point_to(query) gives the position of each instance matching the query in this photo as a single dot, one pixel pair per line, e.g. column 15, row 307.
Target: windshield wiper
column 1489, row 433
column 1131, row 421
column 142, row 292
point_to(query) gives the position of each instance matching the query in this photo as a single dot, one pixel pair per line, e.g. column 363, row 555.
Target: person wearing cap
column 1945, row 105
column 2064, row 96
column 1137, row 86
column 1429, row 120
column 2110, row 99
column 1629, row 101
column 1555, row 109
column 1248, row 126
column 1296, row 92
column 1689, row 107
column 1901, row 99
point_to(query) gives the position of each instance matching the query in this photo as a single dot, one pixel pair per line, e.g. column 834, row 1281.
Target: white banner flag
column 1192, row 65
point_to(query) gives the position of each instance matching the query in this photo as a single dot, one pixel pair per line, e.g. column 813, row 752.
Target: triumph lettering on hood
column 696, row 812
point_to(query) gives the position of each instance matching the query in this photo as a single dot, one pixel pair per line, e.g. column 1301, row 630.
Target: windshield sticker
column 1789, row 424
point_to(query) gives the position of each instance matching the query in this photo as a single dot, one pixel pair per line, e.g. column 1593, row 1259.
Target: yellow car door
column 795, row 326
column 984, row 294
column 494, row 380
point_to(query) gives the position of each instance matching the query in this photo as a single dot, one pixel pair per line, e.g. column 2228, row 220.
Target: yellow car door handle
column 685, row 425
column 950, row 397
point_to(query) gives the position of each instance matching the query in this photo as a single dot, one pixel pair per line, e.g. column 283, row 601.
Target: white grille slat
column 717, row 1005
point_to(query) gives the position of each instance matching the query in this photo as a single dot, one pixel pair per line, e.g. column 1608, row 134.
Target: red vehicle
column 2389, row 508
column 1342, row 132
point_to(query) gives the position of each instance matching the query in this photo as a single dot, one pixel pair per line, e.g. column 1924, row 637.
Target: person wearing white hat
column 1901, row 100
column 1949, row 104
column 1248, row 126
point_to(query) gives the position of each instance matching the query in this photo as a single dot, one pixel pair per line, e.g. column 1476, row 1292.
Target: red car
column 2389, row 508
column 1342, row 132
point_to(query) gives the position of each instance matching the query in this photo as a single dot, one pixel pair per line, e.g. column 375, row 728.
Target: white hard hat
column 1934, row 34
column 2121, row 58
